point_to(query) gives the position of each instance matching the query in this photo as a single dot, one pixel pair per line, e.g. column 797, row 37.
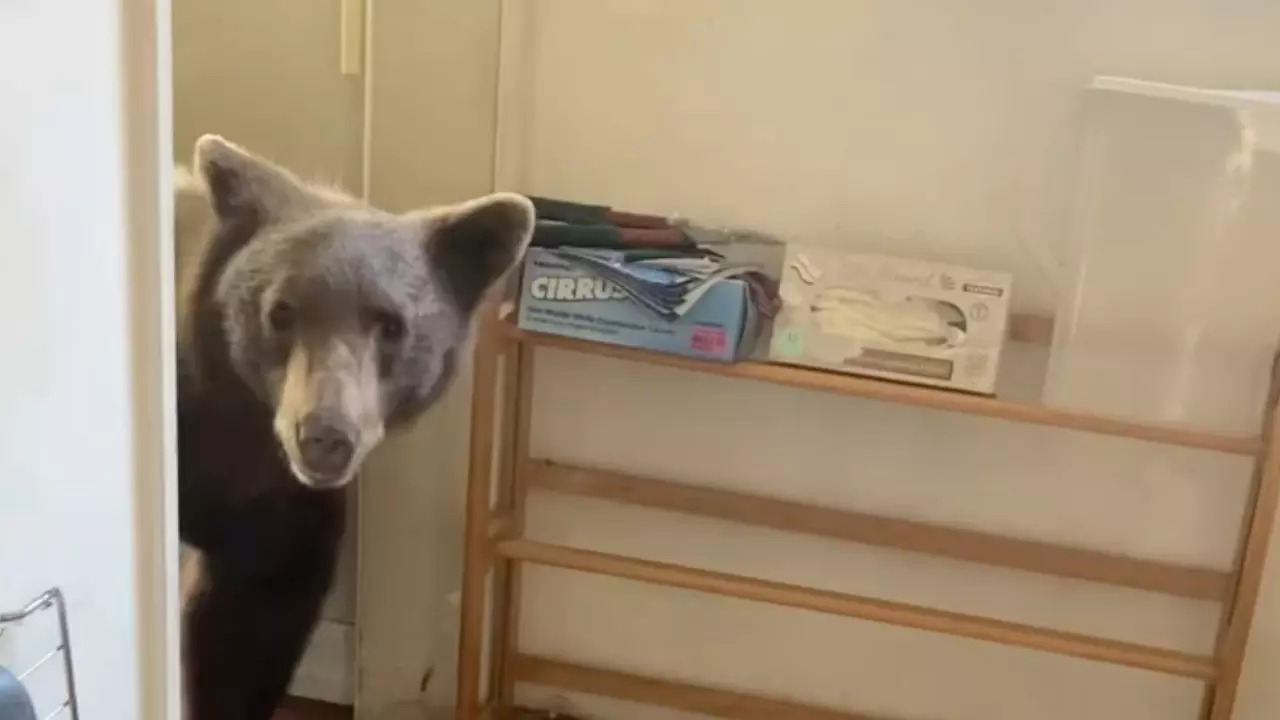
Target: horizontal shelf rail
column 919, row 396
column 868, row 529
column 675, row 695
column 1160, row 660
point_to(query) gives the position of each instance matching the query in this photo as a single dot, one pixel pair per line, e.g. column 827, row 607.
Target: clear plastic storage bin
column 1170, row 308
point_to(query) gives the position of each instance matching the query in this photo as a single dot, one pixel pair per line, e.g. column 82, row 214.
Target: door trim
column 147, row 172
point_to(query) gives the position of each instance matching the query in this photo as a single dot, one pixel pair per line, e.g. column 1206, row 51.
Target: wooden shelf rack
column 501, row 414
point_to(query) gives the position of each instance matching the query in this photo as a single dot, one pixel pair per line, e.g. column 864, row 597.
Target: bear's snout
column 327, row 444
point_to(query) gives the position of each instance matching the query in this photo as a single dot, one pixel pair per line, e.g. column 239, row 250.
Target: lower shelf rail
column 1089, row 647
column 675, row 695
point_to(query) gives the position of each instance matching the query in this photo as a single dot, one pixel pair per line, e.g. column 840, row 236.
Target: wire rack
column 51, row 599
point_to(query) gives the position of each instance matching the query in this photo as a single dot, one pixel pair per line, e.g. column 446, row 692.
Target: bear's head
column 341, row 318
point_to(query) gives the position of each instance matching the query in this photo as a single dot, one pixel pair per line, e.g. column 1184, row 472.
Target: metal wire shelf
column 50, row 599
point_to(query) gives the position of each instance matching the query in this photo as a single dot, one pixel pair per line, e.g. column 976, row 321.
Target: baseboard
column 327, row 671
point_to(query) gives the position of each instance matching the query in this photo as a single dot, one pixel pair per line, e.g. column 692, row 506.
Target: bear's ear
column 472, row 245
column 242, row 186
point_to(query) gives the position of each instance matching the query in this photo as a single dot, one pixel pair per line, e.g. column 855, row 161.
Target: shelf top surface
column 902, row 393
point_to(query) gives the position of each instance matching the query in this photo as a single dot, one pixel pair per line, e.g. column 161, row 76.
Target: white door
column 86, row 501
column 268, row 75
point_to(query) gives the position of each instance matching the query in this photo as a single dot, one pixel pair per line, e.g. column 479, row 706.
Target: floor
column 300, row 709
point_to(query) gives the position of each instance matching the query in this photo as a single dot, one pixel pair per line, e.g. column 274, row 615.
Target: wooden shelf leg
column 1251, row 555
column 476, row 541
column 513, row 488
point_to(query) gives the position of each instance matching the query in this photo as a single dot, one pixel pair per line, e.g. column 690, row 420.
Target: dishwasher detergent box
column 892, row 318
column 562, row 297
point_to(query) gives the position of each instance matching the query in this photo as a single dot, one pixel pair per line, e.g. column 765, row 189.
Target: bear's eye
column 281, row 317
column 389, row 325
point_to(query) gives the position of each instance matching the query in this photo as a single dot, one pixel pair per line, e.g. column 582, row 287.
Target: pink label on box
column 706, row 339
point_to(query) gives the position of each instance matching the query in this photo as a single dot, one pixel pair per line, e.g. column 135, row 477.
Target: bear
column 309, row 325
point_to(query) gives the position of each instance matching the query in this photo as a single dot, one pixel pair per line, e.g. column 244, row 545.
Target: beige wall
column 947, row 126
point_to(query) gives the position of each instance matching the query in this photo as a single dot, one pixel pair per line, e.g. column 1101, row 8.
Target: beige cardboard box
column 893, row 318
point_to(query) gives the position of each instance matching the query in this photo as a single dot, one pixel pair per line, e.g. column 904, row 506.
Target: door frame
column 147, row 150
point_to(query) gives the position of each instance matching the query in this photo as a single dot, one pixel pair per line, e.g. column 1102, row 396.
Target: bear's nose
column 326, row 444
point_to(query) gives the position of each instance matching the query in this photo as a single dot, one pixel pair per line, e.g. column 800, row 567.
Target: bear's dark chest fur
column 238, row 502
column 269, row 547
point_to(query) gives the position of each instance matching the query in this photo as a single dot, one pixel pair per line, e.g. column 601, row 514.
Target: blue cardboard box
column 562, row 298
